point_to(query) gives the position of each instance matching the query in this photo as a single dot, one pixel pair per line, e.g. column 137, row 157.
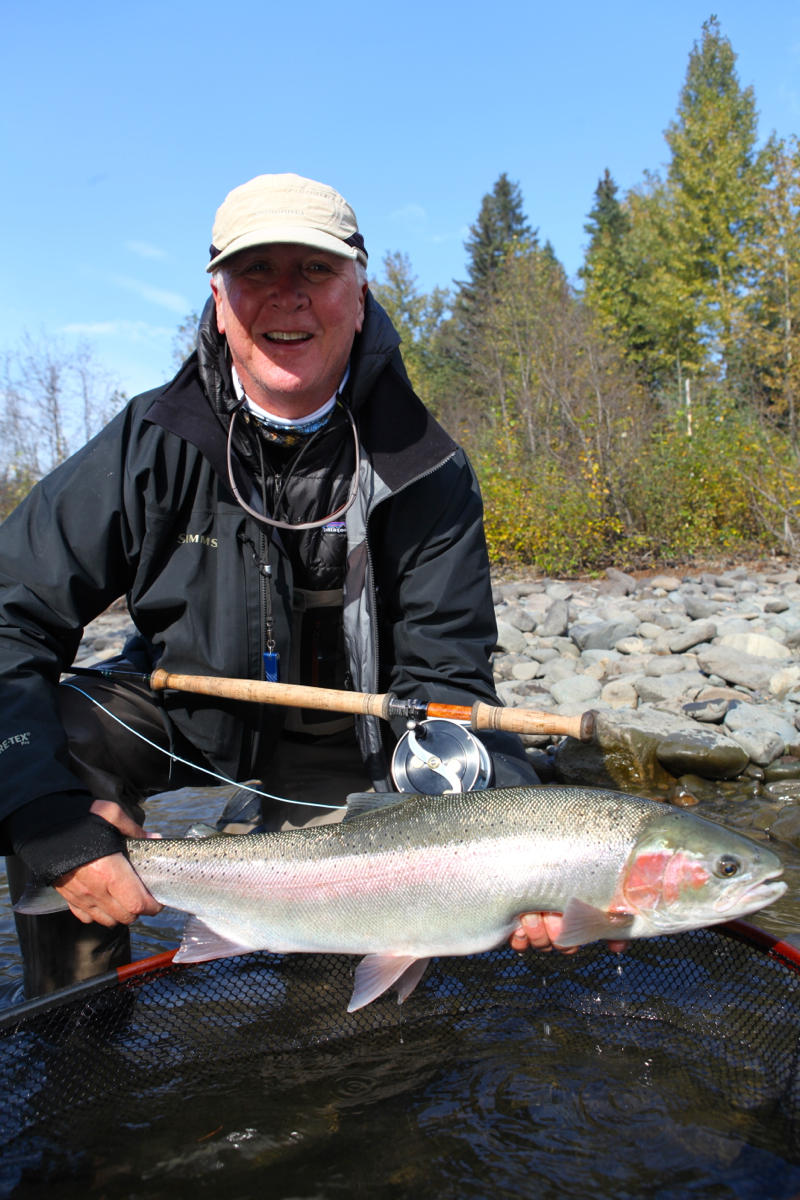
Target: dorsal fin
column 359, row 803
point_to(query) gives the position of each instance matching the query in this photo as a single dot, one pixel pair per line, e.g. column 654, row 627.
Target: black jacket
column 146, row 510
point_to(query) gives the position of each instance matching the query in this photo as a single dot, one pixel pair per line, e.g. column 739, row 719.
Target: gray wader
column 58, row 949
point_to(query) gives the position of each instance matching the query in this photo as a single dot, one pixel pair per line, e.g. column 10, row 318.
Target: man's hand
column 108, row 890
column 541, row 930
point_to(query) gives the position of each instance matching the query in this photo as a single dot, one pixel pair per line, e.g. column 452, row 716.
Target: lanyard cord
column 288, row 525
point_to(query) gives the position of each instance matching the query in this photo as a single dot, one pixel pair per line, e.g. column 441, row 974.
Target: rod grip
column 528, row 720
column 289, row 695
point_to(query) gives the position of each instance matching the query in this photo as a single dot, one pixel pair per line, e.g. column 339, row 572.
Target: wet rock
column 695, row 785
column 701, row 751
column 785, row 790
column 623, row 753
column 786, row 826
column 787, row 767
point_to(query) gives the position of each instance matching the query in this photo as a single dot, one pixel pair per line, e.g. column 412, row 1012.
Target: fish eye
column 726, row 866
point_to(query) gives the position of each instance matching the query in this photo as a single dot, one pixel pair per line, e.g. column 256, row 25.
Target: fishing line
column 186, row 763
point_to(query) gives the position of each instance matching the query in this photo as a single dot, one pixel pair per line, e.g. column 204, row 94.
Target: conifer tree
column 714, row 178
column 769, row 335
column 606, row 272
column 500, row 221
column 500, row 224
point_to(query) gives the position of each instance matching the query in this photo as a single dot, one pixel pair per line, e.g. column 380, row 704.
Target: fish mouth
column 758, row 895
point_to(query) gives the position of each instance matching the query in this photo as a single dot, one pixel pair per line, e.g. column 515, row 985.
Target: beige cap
column 285, row 208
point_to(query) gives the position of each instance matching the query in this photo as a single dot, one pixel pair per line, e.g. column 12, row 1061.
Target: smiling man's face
column 290, row 314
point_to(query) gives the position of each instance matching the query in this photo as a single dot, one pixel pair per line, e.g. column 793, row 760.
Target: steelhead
column 450, row 874
column 420, row 876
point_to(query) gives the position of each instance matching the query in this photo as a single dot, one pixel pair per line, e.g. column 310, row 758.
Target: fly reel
column 438, row 756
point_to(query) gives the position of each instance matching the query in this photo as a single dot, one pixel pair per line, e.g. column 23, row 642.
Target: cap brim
column 294, row 235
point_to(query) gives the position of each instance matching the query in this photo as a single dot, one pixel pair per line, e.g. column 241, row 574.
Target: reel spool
column 438, row 756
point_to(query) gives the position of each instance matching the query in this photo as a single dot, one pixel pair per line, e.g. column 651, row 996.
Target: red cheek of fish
column 662, row 876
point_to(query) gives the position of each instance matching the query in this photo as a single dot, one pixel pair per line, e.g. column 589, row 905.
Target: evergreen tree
column 714, row 179
column 662, row 335
column 606, row 272
column 500, row 221
column 501, row 224
column 769, row 337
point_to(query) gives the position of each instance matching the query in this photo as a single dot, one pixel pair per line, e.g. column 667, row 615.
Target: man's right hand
column 108, row 890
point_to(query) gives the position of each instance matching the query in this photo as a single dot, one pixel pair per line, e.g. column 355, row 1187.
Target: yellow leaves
column 679, row 497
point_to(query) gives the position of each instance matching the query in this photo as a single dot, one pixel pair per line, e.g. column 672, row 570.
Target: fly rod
column 387, row 707
column 294, row 695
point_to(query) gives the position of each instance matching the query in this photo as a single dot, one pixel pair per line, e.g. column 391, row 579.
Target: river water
column 623, row 1076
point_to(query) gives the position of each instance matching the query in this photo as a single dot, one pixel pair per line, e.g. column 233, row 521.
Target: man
column 284, row 507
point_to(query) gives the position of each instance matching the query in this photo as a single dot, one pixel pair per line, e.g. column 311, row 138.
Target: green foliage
column 768, row 363
column 416, row 317
column 714, row 180
column 606, row 271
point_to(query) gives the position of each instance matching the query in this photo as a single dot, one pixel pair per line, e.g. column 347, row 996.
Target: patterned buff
column 289, row 435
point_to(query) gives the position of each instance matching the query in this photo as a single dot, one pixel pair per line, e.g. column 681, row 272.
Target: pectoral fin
column 377, row 972
column 201, row 943
column 584, row 923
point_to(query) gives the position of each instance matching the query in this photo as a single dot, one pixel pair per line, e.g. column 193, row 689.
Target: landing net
column 106, row 1069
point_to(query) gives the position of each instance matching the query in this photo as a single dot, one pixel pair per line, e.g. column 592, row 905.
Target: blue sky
column 125, row 125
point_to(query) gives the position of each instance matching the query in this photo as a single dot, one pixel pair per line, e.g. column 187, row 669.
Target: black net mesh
column 158, row 1070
